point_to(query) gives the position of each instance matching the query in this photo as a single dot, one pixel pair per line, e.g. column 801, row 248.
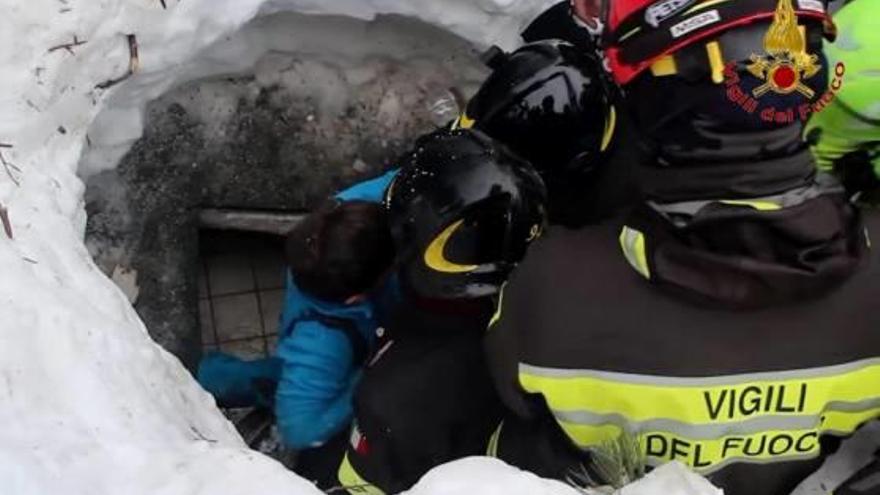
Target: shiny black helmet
column 550, row 102
column 463, row 209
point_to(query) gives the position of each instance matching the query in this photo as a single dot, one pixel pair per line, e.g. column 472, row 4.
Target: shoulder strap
column 348, row 328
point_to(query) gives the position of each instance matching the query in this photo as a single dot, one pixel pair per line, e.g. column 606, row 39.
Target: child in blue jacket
column 338, row 257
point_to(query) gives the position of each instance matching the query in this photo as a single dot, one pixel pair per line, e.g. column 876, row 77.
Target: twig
column 201, row 436
column 133, row 64
column 68, row 46
column 9, row 167
column 4, row 145
column 4, row 217
column 31, row 261
column 163, row 4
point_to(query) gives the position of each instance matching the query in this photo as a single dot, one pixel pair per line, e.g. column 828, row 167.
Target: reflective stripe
column 787, row 199
column 632, row 242
column 830, row 422
column 496, row 316
column 610, row 126
column 698, row 431
column 709, row 422
column 703, row 5
column 636, row 378
column 463, row 122
column 711, row 454
column 389, row 192
column 756, row 204
column 631, row 33
column 664, row 66
column 352, row 481
column 716, row 61
column 492, row 448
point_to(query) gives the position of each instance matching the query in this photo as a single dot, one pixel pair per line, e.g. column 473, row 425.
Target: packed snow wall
column 90, row 404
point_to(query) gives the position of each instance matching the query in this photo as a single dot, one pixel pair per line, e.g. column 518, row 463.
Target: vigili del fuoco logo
column 783, row 68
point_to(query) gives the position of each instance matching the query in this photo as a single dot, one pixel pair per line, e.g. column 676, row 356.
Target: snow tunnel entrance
column 268, row 121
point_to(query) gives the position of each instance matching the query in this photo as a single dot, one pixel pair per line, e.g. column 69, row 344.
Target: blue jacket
column 372, row 190
column 314, row 365
column 318, row 374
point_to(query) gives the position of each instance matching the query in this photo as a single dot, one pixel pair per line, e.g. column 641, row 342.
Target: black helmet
column 462, row 211
column 551, row 103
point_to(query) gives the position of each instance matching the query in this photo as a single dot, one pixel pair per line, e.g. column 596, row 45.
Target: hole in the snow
column 274, row 118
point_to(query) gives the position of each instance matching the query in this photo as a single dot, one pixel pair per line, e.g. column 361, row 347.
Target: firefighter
column 845, row 135
column 724, row 322
column 552, row 103
column 463, row 211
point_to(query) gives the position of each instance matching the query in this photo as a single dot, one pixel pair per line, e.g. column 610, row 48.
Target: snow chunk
column 486, row 476
column 489, row 476
column 673, row 478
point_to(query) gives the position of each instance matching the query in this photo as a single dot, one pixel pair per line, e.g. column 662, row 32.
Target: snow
column 492, row 477
column 88, row 403
column 487, row 477
column 673, row 478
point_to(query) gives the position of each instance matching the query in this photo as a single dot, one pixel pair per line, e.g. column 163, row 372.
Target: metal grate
column 241, row 288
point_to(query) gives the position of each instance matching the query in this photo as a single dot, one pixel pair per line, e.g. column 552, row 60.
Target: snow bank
column 88, row 404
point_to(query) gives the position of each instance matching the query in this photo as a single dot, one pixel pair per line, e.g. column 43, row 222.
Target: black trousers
column 539, row 445
column 428, row 400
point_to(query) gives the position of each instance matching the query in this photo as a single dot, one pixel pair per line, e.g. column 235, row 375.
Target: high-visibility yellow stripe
column 353, row 482
column 498, row 307
column 761, row 205
column 664, row 66
column 632, row 242
column 610, row 127
column 710, row 422
column 689, row 399
column 708, row 455
column 716, row 61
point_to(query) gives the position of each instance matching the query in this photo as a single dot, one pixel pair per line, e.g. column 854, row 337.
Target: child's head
column 340, row 251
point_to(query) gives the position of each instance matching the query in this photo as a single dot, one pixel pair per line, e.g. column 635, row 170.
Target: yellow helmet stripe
column 435, row 258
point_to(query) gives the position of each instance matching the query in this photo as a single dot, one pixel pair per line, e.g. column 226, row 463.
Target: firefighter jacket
column 752, row 398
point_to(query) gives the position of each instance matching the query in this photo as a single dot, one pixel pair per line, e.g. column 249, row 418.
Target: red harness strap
column 642, row 31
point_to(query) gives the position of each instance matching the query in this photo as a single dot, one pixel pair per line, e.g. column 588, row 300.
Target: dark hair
column 340, row 250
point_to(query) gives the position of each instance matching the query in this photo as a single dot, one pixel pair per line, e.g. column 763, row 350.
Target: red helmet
column 640, row 32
